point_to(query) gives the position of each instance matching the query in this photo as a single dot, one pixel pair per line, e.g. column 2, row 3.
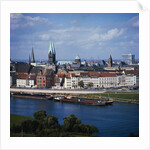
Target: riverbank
column 126, row 97
column 118, row 96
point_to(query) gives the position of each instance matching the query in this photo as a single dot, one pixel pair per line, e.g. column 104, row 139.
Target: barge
column 95, row 102
column 70, row 99
column 32, row 96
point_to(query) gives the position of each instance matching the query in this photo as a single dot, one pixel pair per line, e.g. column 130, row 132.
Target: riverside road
column 61, row 91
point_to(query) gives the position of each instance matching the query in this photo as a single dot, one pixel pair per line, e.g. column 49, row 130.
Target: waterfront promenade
column 50, row 91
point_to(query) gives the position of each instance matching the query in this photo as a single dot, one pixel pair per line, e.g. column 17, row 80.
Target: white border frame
column 141, row 142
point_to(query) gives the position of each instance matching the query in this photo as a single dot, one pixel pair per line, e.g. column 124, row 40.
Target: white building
column 101, row 80
column 26, row 81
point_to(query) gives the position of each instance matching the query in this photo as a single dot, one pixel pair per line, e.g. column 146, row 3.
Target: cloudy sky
column 91, row 36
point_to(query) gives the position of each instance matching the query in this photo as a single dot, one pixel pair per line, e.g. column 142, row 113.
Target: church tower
column 29, row 60
column 32, row 57
column 51, row 54
column 110, row 61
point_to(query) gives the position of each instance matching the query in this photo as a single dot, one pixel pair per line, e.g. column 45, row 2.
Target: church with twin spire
column 51, row 54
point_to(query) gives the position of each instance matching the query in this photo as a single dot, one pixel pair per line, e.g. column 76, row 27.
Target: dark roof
column 35, row 70
column 45, row 72
column 22, row 67
column 23, row 76
column 133, row 72
column 107, row 74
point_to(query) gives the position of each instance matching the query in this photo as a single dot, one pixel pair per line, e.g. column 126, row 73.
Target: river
column 117, row 120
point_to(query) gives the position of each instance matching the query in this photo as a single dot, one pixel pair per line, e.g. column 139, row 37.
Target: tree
column 63, row 80
column 40, row 115
column 90, row 84
column 73, row 124
column 81, row 84
column 50, row 122
column 70, row 122
column 89, row 129
column 30, row 126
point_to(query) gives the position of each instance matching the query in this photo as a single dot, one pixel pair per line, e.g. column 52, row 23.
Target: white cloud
column 134, row 21
column 59, row 42
column 74, row 22
column 113, row 33
column 19, row 20
column 80, row 37
column 129, row 43
column 44, row 36
column 95, row 37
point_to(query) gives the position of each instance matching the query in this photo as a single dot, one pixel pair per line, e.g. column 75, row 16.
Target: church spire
column 51, row 48
column 32, row 56
column 29, row 60
column 51, row 53
column 110, row 61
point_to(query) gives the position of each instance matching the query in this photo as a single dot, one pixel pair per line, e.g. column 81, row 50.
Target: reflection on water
column 117, row 120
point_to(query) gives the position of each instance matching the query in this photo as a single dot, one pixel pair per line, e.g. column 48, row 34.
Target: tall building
column 32, row 57
column 51, row 54
column 128, row 59
column 45, row 78
column 110, row 61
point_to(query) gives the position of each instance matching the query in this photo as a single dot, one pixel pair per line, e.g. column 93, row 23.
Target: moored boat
column 100, row 103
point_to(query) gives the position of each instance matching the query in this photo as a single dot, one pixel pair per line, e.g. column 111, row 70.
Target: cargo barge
column 70, row 99
column 95, row 102
column 32, row 96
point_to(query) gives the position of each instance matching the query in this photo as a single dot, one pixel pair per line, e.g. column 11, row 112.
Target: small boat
column 59, row 98
column 51, row 97
column 99, row 103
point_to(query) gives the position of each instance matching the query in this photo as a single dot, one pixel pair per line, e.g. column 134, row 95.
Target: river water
column 117, row 120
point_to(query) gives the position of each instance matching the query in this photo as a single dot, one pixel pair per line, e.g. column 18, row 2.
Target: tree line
column 44, row 125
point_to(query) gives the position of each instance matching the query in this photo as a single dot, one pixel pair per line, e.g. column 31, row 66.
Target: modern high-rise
column 128, row 59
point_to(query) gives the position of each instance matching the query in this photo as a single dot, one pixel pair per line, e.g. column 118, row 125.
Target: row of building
column 102, row 79
column 64, row 74
column 47, row 79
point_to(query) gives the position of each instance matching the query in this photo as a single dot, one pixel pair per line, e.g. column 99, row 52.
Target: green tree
column 27, row 126
column 89, row 129
column 90, row 84
column 73, row 124
column 50, row 122
column 40, row 115
column 81, row 84
column 69, row 123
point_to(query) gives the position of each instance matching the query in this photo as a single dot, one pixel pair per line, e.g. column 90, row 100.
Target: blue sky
column 91, row 36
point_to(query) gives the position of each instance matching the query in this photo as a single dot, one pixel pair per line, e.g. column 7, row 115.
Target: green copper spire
column 51, row 48
column 77, row 57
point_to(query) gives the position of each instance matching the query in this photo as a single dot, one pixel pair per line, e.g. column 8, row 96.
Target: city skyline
column 90, row 36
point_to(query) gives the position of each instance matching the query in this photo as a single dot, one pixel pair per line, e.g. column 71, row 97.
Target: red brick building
column 45, row 78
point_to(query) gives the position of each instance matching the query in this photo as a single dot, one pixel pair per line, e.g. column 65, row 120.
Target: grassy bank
column 18, row 119
column 116, row 96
